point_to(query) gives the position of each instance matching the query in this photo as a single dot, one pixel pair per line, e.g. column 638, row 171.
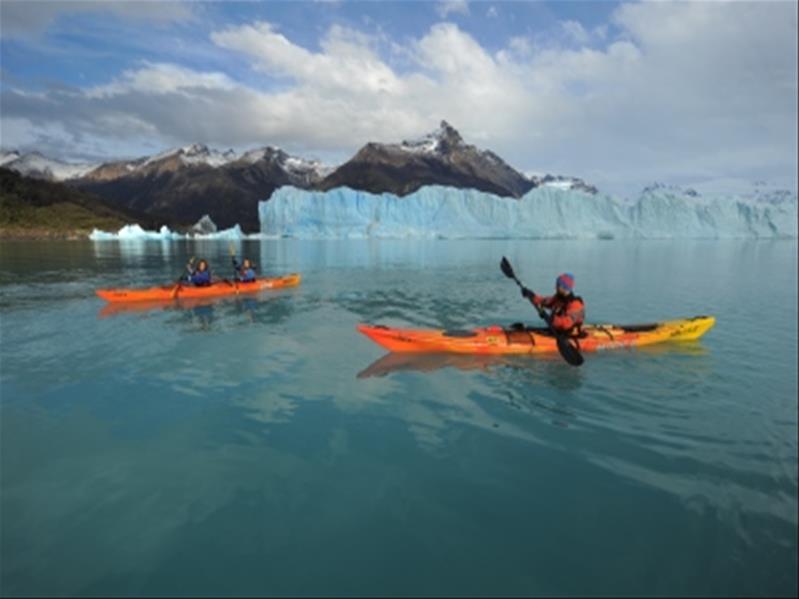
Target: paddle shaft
column 176, row 288
column 541, row 312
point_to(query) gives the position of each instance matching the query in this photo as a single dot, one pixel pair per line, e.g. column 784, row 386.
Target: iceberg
column 204, row 226
column 233, row 234
column 543, row 213
column 136, row 233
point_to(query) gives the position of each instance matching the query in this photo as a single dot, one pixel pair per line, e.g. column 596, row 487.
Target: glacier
column 546, row 212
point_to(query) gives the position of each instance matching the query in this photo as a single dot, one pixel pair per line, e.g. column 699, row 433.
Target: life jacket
column 243, row 276
column 201, row 279
column 568, row 313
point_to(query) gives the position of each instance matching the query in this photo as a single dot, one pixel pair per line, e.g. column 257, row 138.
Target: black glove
column 527, row 293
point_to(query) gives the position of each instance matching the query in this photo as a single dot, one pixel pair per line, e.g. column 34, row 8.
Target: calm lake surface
column 231, row 447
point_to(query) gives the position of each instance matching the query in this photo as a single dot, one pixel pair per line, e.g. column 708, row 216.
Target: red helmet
column 566, row 281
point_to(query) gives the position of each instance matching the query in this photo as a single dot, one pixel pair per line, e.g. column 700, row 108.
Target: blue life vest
column 201, row 279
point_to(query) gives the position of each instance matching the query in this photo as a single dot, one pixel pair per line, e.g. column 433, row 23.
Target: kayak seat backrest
column 544, row 331
column 517, row 337
column 639, row 328
column 459, row 333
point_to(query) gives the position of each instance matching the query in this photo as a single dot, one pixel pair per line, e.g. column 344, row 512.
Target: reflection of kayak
column 521, row 340
column 225, row 287
column 114, row 308
column 429, row 362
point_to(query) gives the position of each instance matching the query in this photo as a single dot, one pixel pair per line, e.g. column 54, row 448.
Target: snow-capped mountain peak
column 298, row 165
column 674, row 189
column 269, row 153
column 300, row 169
column 8, row 156
column 34, row 164
column 192, row 155
column 195, row 150
column 561, row 182
column 442, row 139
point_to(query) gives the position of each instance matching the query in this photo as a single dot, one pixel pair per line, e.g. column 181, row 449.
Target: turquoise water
column 232, row 447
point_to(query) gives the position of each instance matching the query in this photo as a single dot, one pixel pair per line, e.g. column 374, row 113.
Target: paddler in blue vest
column 199, row 276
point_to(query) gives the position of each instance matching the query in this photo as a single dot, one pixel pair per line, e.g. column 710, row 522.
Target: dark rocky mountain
column 185, row 184
column 440, row 158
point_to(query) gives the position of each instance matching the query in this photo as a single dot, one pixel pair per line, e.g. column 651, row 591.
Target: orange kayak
column 186, row 290
column 522, row 340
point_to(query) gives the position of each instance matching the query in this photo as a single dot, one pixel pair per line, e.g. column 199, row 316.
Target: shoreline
column 42, row 234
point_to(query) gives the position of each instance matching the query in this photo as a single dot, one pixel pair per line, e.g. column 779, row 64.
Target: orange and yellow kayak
column 186, row 290
column 522, row 340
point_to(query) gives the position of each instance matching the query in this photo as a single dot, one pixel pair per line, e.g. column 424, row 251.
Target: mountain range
column 181, row 185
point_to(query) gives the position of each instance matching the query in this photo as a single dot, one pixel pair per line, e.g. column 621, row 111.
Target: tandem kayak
column 525, row 340
column 186, row 290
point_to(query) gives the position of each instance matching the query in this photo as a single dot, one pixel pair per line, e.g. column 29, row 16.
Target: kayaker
column 200, row 276
column 245, row 272
column 567, row 310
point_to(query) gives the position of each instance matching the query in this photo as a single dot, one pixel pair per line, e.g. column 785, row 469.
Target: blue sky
column 618, row 93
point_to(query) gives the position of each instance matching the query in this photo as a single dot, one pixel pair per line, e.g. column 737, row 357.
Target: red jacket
column 568, row 313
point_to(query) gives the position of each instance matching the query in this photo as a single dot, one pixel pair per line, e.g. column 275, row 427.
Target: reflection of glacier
column 542, row 213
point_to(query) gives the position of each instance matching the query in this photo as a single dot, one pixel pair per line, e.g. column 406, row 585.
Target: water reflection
column 404, row 362
column 540, row 363
column 202, row 316
column 111, row 309
column 263, row 308
column 430, row 362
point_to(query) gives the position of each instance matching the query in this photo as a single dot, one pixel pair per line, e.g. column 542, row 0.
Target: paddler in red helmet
column 567, row 310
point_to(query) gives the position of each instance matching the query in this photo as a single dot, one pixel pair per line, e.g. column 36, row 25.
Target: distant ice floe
column 136, row 233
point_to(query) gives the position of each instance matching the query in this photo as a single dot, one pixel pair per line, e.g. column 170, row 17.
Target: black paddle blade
column 568, row 349
column 507, row 269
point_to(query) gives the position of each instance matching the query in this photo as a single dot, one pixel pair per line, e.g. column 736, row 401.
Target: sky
column 620, row 94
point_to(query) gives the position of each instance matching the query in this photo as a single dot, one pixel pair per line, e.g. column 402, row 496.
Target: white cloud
column 347, row 59
column 600, row 32
column 520, row 46
column 447, row 7
column 576, row 31
column 156, row 79
column 687, row 91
